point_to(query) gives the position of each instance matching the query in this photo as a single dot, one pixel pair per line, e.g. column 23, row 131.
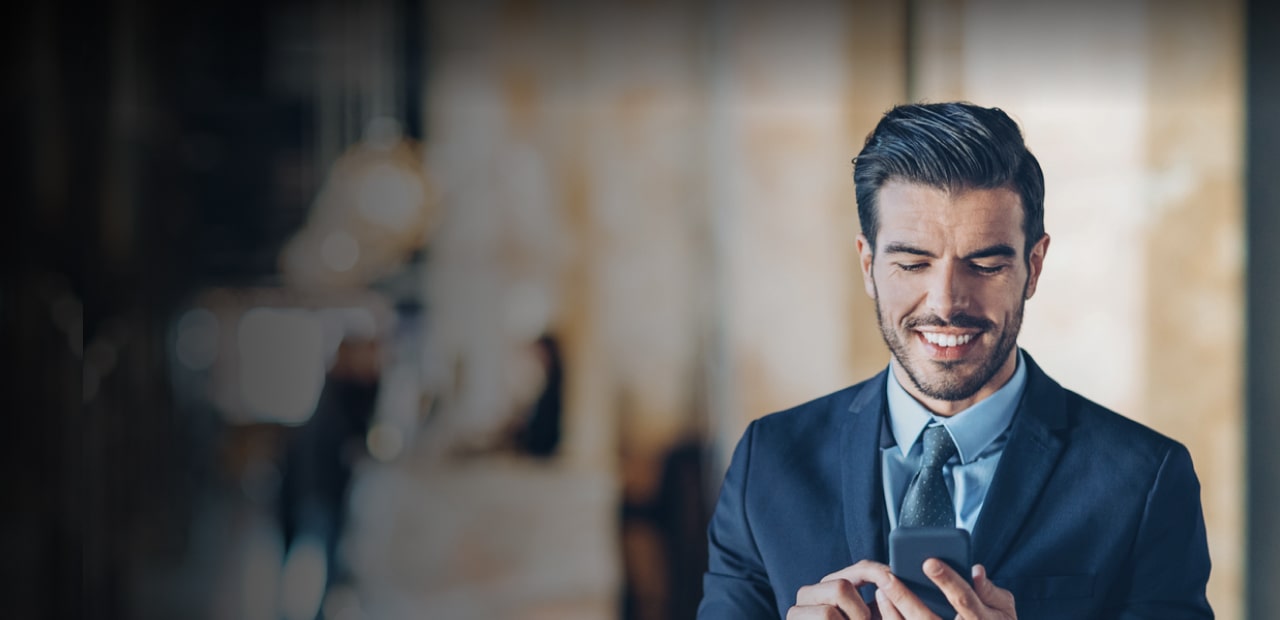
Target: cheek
column 1001, row 300
column 896, row 298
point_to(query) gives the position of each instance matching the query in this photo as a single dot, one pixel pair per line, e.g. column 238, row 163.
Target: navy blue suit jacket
column 1089, row 515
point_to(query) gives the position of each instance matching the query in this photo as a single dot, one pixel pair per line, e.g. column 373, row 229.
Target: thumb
column 989, row 593
column 981, row 585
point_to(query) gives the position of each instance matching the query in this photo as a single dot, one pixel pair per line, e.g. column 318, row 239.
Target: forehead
column 916, row 213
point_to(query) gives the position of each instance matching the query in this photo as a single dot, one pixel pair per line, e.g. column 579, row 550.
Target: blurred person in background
column 320, row 456
column 1074, row 511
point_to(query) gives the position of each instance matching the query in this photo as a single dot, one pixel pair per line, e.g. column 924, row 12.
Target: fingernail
column 885, row 580
column 932, row 567
column 978, row 571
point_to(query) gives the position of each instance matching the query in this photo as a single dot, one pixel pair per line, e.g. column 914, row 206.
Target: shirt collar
column 972, row 429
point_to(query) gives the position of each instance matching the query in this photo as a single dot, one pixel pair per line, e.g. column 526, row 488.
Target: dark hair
column 950, row 146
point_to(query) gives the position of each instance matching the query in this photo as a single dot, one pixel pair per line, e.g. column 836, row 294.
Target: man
column 1074, row 511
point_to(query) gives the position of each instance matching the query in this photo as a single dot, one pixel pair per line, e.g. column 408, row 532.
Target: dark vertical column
column 1262, row 335
column 54, row 57
column 414, row 59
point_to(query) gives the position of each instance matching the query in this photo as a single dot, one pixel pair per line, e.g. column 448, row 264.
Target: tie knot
column 938, row 447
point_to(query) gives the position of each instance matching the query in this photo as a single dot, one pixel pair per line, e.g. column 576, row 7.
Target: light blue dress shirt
column 979, row 433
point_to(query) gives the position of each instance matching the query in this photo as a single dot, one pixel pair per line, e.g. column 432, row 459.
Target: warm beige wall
column 795, row 315
column 1195, row 251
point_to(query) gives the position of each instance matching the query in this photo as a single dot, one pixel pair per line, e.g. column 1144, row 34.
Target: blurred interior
column 411, row 309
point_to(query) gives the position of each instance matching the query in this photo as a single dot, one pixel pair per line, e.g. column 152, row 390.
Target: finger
column 862, row 573
column 903, row 600
column 838, row 594
column 815, row 612
column 957, row 590
column 990, row 594
column 887, row 610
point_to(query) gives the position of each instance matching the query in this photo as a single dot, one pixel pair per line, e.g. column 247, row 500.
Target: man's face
column 950, row 282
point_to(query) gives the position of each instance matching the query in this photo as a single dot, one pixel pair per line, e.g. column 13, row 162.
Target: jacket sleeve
column 1170, row 558
column 736, row 585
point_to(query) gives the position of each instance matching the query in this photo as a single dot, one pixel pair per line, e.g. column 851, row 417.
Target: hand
column 984, row 601
column 836, row 596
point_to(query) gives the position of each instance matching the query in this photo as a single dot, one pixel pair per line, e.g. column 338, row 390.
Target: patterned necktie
column 928, row 504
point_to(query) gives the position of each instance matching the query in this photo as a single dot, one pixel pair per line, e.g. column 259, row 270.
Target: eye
column 911, row 266
column 989, row 270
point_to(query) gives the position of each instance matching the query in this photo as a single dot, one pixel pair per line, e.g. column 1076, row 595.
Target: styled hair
column 950, row 146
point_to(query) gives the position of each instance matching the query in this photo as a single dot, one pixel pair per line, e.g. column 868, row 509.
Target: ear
column 865, row 256
column 1035, row 263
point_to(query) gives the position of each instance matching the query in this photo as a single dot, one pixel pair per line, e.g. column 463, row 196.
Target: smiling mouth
column 945, row 346
column 947, row 340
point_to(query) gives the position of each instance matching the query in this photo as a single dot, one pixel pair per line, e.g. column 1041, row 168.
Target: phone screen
column 909, row 547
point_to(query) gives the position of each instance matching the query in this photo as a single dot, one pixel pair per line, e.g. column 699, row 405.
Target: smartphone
column 909, row 547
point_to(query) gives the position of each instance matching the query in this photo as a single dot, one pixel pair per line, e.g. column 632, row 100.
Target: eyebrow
column 1000, row 249
column 902, row 248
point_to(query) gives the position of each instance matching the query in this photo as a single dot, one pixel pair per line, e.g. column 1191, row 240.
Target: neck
column 948, row 408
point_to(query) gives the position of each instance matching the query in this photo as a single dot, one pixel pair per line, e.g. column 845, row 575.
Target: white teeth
column 947, row 340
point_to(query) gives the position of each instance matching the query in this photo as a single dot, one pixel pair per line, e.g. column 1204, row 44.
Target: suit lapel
column 1029, row 457
column 859, row 452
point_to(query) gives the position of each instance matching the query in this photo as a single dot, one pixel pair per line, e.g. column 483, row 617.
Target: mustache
column 959, row 319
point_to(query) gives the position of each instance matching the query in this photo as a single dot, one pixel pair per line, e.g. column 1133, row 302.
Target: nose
column 948, row 290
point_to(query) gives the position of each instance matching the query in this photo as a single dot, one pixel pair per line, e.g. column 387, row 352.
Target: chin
column 950, row 391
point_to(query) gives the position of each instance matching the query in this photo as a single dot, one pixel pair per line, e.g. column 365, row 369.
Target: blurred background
column 413, row 309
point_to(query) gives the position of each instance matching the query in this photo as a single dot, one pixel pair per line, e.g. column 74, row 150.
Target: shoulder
column 824, row 413
column 1089, row 427
column 817, row 433
column 1106, row 432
